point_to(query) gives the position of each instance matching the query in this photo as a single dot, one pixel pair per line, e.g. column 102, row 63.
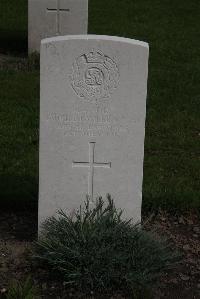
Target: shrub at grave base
column 98, row 250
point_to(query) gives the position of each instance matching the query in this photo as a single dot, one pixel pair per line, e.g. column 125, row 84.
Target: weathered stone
column 92, row 122
column 49, row 18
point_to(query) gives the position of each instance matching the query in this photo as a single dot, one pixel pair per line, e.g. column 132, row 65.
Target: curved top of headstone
column 95, row 37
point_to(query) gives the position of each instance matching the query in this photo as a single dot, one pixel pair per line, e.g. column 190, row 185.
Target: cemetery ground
column 171, row 193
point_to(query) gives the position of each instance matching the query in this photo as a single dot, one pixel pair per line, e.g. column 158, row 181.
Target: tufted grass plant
column 22, row 290
column 98, row 250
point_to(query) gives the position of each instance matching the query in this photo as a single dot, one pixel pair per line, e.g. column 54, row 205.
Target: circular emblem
column 94, row 76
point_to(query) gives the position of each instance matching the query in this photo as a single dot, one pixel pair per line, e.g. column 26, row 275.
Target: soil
column 19, row 230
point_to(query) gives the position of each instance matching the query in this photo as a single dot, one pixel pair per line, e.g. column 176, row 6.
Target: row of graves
column 92, row 110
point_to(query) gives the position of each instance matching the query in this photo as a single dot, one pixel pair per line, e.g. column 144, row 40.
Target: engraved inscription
column 91, row 164
column 94, row 76
column 90, row 124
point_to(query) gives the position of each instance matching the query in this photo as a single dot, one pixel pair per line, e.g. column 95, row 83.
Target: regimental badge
column 94, row 76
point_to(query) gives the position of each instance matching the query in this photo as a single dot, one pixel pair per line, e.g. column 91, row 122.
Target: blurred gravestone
column 49, row 18
column 92, row 122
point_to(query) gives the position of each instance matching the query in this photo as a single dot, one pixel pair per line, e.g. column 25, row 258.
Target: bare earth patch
column 183, row 232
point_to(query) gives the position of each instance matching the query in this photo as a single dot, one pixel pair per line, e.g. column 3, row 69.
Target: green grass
column 19, row 106
column 22, row 290
column 13, row 26
column 172, row 154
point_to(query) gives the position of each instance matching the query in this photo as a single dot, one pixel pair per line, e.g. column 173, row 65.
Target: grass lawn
column 13, row 26
column 19, row 103
column 172, row 155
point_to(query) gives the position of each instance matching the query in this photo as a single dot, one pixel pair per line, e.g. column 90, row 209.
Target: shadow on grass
column 13, row 42
column 19, row 193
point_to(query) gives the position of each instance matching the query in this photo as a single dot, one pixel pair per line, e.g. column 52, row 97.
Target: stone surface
column 92, row 122
column 49, row 18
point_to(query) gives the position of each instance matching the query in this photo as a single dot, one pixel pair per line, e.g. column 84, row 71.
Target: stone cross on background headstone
column 93, row 92
column 47, row 18
column 58, row 10
column 91, row 165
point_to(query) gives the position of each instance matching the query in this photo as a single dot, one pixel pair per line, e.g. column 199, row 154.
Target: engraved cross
column 91, row 165
column 58, row 10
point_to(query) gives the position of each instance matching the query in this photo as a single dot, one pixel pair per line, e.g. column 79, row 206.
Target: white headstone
column 92, row 122
column 47, row 18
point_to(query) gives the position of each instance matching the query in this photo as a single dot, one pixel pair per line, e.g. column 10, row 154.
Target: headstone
column 47, row 18
column 92, row 122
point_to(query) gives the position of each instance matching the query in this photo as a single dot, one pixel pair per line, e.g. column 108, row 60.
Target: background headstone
column 92, row 122
column 47, row 18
